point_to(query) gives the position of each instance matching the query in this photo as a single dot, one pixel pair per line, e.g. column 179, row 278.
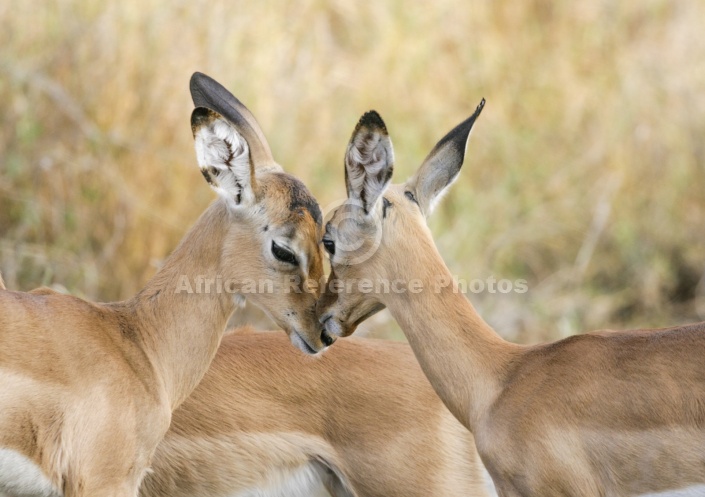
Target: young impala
column 269, row 421
column 600, row 414
column 87, row 390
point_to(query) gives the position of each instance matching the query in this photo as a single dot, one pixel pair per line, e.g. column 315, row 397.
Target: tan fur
column 605, row 413
column 365, row 408
column 87, row 389
column 2, row 283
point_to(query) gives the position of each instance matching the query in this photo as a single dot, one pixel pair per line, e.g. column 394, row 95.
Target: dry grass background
column 585, row 173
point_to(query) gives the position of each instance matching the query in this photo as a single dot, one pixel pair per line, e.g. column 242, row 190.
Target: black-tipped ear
column 369, row 161
column 442, row 165
column 208, row 93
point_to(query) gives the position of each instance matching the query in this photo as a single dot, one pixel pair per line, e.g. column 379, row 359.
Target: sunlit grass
column 584, row 176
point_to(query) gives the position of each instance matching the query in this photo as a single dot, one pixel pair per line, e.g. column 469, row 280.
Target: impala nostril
column 326, row 338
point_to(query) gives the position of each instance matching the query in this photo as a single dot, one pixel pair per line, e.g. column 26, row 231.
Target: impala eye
column 284, row 254
column 329, row 245
column 411, row 197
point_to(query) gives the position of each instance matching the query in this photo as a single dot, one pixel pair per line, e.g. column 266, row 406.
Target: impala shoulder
column 570, row 350
column 44, row 290
column 20, row 306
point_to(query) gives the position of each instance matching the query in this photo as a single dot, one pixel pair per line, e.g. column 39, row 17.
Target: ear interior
column 207, row 92
column 223, row 156
column 442, row 165
column 369, row 161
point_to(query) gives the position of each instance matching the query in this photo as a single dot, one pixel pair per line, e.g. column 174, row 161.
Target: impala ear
column 369, row 161
column 224, row 158
column 442, row 165
column 229, row 142
column 207, row 92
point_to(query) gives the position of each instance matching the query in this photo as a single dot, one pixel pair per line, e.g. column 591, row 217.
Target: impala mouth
column 337, row 328
column 375, row 310
column 300, row 342
column 332, row 326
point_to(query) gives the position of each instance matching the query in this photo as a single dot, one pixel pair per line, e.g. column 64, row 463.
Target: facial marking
column 300, row 197
column 385, row 205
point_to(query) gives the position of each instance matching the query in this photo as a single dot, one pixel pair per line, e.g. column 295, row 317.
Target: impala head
column 380, row 232
column 272, row 246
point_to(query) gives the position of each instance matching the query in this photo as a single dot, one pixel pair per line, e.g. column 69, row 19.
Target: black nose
column 326, row 338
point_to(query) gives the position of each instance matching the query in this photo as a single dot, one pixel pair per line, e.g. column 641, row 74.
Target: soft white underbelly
column 301, row 482
column 692, row 491
column 20, row 477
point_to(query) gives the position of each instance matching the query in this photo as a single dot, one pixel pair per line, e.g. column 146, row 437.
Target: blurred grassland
column 584, row 175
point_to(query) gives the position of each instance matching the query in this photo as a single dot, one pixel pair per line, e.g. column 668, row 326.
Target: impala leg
column 508, row 493
column 103, row 486
column 107, row 475
column 507, row 490
column 107, row 491
column 333, row 481
column 335, row 488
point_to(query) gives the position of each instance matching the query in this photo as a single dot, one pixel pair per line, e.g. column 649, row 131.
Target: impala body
column 87, row 390
column 267, row 420
column 600, row 414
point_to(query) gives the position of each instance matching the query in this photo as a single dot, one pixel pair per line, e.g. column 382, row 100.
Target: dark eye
column 284, row 254
column 411, row 197
column 329, row 245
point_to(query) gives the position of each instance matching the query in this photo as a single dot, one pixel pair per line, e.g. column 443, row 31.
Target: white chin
column 333, row 327
column 301, row 344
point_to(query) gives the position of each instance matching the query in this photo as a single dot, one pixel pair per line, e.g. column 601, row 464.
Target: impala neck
column 461, row 355
column 181, row 331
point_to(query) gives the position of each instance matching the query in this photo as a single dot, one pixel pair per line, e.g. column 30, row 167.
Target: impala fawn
column 601, row 414
column 88, row 389
column 269, row 421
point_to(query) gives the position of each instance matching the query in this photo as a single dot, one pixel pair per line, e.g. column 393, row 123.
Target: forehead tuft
column 299, row 196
